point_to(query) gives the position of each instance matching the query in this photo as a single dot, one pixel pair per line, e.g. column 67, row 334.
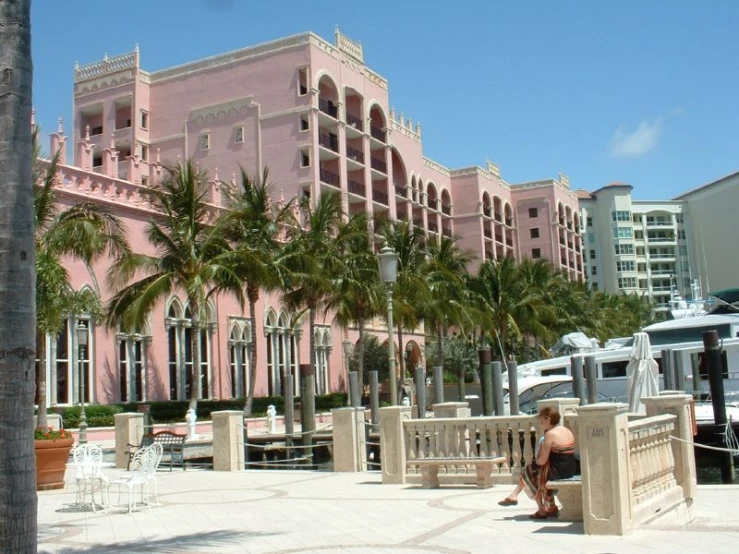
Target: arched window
column 282, row 352
column 323, row 351
column 239, row 344
column 132, row 365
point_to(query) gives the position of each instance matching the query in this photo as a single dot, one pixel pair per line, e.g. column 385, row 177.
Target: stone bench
column 569, row 494
column 430, row 469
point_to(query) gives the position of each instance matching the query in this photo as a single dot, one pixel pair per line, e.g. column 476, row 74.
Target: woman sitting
column 555, row 460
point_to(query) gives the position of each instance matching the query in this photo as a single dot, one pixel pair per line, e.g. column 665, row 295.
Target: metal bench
column 430, row 469
column 569, row 494
column 173, row 447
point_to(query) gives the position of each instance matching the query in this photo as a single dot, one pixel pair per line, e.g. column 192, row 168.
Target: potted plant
column 52, row 453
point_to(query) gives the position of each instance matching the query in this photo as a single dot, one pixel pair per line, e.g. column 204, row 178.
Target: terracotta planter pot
column 51, row 462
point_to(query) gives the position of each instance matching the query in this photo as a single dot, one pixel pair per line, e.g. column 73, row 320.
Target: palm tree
column 316, row 258
column 356, row 298
column 192, row 255
column 254, row 225
column 84, row 231
column 446, row 304
column 18, row 501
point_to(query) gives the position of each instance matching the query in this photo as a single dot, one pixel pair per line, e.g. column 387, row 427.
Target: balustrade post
column 604, row 451
column 349, row 439
column 683, row 450
column 392, row 443
column 452, row 409
column 228, row 440
column 129, row 429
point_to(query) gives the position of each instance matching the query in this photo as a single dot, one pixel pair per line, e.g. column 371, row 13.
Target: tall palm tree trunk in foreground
column 18, row 501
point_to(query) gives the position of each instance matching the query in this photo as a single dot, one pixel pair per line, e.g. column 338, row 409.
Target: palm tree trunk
column 43, row 421
column 360, row 353
column 253, row 297
column 18, row 499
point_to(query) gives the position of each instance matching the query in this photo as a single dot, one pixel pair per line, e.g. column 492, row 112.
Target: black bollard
column 513, row 387
column 498, row 389
column 486, row 373
column 374, row 397
column 354, row 395
column 287, row 384
column 420, row 376
column 716, row 381
column 591, row 377
column 307, row 409
column 678, row 370
column 667, row 376
column 578, row 379
column 461, row 386
column 438, row 384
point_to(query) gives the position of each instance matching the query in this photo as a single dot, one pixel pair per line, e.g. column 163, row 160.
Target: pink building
column 321, row 120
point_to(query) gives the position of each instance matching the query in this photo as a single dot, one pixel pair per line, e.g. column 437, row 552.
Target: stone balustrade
column 651, row 463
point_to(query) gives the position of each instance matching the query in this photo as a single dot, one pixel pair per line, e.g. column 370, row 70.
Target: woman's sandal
column 508, row 502
column 538, row 515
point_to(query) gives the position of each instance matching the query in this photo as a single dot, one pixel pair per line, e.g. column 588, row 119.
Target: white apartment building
column 634, row 246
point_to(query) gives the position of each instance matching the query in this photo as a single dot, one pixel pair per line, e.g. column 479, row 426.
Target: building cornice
column 712, row 184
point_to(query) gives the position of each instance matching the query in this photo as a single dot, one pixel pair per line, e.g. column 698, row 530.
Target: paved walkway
column 281, row 512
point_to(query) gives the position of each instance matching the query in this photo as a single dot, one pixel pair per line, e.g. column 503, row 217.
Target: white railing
column 480, row 437
column 651, row 460
column 105, row 66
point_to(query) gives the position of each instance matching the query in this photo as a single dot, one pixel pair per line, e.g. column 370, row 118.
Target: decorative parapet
column 351, row 47
column 436, row 166
column 477, row 170
column 106, row 66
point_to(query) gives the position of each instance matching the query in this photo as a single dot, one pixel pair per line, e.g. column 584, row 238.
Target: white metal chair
column 142, row 475
column 88, row 460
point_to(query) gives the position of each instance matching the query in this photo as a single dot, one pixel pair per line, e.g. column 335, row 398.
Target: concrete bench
column 430, row 469
column 569, row 494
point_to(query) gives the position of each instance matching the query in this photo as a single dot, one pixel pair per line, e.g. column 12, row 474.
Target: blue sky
column 643, row 92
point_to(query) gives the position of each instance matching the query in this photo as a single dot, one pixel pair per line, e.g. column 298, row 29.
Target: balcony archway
column 431, row 196
column 377, row 123
column 446, row 203
column 400, row 179
column 328, row 96
column 498, row 209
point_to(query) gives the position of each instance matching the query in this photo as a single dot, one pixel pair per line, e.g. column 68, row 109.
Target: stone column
column 129, row 429
column 567, row 407
column 682, row 449
column 452, row 409
column 392, row 443
column 350, row 448
column 604, row 450
column 228, row 440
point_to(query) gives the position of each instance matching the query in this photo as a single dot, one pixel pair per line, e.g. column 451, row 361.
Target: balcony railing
column 488, row 233
column 509, row 221
column 486, row 212
column 354, row 121
column 356, row 187
column 378, row 164
column 328, row 107
column 499, row 218
column 418, row 222
column 381, row 197
column 499, row 238
column 400, row 190
column 329, row 140
column 433, row 227
column 354, row 154
column 509, row 242
column 329, row 177
column 377, row 133
column 446, row 210
column 446, row 231
column 488, row 255
column 94, row 131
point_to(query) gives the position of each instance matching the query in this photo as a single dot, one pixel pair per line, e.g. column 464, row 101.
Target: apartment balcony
column 446, row 231
column 433, row 227
column 328, row 107
column 96, row 131
column 488, row 233
column 356, row 187
column 329, row 141
column 377, row 133
column 498, row 238
column 489, row 255
column 509, row 243
column 487, row 212
column 662, row 240
column 354, row 125
column 418, row 222
column 330, row 178
column 400, row 190
column 656, row 224
column 499, row 218
column 354, row 159
column 509, row 221
column 380, row 197
column 378, row 165
column 446, row 210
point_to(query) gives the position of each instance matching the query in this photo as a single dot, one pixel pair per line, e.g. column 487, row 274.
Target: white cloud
column 636, row 143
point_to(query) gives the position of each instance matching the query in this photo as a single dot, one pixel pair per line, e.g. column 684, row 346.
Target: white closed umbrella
column 642, row 373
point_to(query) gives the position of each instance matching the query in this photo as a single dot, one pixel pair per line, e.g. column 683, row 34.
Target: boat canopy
column 728, row 301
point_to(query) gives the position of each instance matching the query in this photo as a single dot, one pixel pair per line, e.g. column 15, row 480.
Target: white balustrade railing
column 512, row 437
column 651, row 460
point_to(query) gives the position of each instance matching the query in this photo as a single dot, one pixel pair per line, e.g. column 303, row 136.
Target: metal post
column 486, row 375
column 287, row 384
column 578, row 380
column 438, row 384
column 374, row 397
column 420, row 392
column 667, row 370
column 498, row 388
column 83, row 416
column 678, row 370
column 461, row 386
column 391, row 347
column 354, row 395
column 695, row 367
column 716, row 381
column 591, row 377
column 513, row 387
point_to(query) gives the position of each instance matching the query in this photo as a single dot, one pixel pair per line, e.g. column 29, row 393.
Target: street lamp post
column 347, row 347
column 388, row 260
column 81, row 344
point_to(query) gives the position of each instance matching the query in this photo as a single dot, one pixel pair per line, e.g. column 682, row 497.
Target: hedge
column 101, row 415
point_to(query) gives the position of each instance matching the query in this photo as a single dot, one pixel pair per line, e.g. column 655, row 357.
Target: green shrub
column 98, row 415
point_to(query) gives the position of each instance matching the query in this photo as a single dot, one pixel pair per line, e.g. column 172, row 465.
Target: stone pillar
column 392, row 443
column 604, row 450
column 350, row 447
column 567, row 407
column 452, row 409
column 682, row 449
column 129, row 429
column 228, row 440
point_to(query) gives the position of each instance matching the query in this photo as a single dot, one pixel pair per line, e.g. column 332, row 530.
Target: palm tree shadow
column 203, row 542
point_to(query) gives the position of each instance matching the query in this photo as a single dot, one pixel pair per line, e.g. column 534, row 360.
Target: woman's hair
column 552, row 414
